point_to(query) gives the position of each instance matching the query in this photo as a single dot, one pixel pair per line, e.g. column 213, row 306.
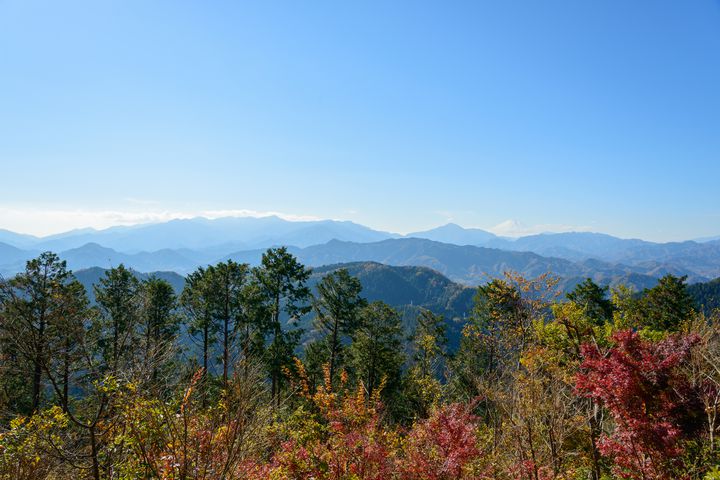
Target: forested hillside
column 706, row 295
column 210, row 377
column 411, row 289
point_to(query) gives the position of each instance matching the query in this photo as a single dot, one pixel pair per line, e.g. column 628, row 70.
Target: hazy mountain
column 700, row 258
column 468, row 265
column 229, row 233
column 455, row 234
column 18, row 240
column 94, row 255
column 9, row 253
column 697, row 260
column 571, row 245
column 465, row 255
column 464, row 264
column 707, row 239
column 12, row 259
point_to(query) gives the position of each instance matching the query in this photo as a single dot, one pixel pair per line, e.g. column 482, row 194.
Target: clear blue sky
column 601, row 115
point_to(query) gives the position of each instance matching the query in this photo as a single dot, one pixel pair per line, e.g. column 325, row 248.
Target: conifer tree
column 227, row 282
column 376, row 351
column 593, row 300
column 39, row 308
column 160, row 323
column 665, row 306
column 337, row 306
column 282, row 286
column 196, row 303
column 119, row 299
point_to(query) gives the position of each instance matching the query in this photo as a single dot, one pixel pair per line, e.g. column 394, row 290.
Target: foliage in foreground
column 214, row 385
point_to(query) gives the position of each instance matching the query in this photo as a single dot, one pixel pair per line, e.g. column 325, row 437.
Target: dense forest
column 219, row 381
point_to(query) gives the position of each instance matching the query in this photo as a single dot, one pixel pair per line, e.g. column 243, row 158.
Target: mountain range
column 466, row 255
column 230, row 233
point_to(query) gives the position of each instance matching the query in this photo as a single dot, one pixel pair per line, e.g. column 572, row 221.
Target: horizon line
column 247, row 214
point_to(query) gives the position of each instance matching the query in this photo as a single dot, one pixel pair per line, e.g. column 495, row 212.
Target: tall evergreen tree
column 227, row 282
column 119, row 299
column 160, row 323
column 665, row 306
column 376, row 353
column 66, row 344
column 34, row 316
column 196, row 303
column 252, row 326
column 337, row 306
column 594, row 301
column 282, row 283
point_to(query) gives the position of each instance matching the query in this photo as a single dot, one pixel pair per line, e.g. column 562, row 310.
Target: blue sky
column 570, row 114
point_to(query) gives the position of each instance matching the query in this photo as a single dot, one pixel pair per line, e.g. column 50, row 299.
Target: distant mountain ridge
column 455, row 234
column 570, row 245
column 201, row 233
column 182, row 245
column 468, row 265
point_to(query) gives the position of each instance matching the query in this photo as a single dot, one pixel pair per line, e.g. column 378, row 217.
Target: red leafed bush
column 354, row 443
column 443, row 446
column 651, row 402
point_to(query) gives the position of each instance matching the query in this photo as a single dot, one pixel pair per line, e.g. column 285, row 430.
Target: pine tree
column 227, row 282
column 37, row 321
column 196, row 303
column 337, row 306
column 119, row 300
column 160, row 323
column 282, row 285
column 667, row 305
column 594, row 301
column 376, row 351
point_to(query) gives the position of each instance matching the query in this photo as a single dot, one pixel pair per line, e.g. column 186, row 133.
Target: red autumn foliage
column 441, row 447
column 354, row 443
column 651, row 402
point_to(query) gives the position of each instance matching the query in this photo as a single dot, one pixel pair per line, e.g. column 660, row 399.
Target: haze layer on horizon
column 401, row 117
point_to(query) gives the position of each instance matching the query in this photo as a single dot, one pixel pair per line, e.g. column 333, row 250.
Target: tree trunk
column 246, row 350
column 94, row 454
column 37, row 378
column 226, row 333
column 66, row 373
column 206, row 339
column 38, row 363
column 275, row 388
column 226, row 351
column 116, row 334
column 594, row 435
column 333, row 351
